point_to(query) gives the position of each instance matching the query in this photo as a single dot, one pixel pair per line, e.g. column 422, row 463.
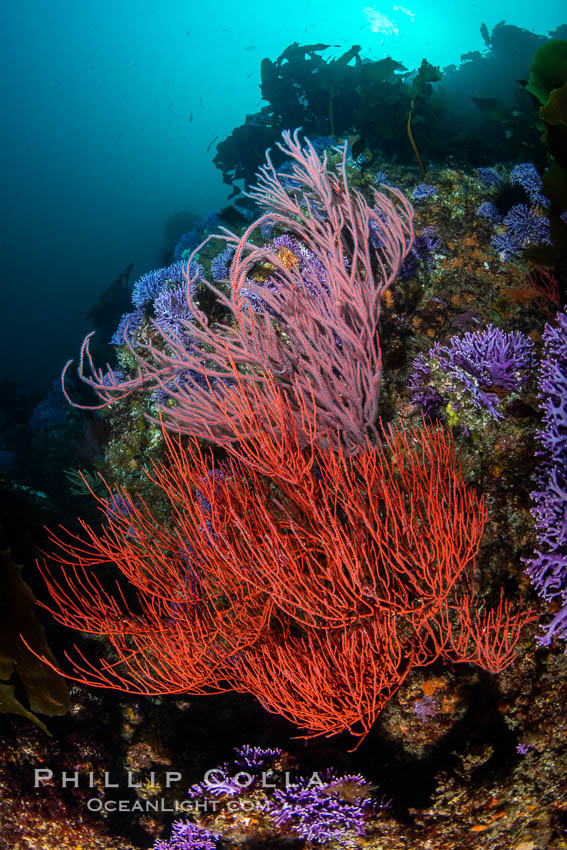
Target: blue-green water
column 108, row 111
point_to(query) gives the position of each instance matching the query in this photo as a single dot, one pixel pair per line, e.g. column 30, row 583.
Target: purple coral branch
column 482, row 363
column 547, row 568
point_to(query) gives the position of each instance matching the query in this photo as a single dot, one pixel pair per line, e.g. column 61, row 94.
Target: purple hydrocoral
column 128, row 323
column 548, row 566
column 172, row 316
column 498, row 359
column 225, row 780
column 481, row 363
column 423, row 395
column 525, row 175
column 381, row 179
column 117, row 506
column 187, row 242
column 424, row 190
column 151, row 284
column 330, row 811
column 266, row 230
column 172, row 313
column 526, row 226
column 490, row 211
column 186, row 835
column 255, row 757
column 324, row 807
column 489, row 177
column 523, row 227
column 506, row 245
column 220, row 264
column 312, row 277
column 424, row 247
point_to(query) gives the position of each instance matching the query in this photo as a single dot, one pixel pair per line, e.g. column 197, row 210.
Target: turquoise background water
column 109, row 107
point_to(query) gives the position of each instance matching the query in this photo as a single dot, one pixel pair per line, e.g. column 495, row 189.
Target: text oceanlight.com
column 96, row 804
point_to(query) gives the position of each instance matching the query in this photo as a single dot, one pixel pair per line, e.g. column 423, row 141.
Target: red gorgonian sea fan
column 316, row 585
column 317, row 329
column 310, row 568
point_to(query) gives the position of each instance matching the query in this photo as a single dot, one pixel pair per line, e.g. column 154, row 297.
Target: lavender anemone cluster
column 335, row 810
column 186, row 835
column 524, row 224
column 548, row 566
column 475, row 368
